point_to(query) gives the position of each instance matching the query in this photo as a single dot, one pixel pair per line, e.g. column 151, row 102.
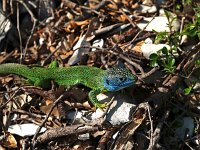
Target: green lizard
column 97, row 79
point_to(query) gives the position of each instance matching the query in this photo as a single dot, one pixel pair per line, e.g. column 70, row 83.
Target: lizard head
column 118, row 78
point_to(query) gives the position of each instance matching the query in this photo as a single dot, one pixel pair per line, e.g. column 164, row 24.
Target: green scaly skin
column 91, row 77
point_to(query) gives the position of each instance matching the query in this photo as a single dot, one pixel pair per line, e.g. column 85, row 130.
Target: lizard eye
column 122, row 79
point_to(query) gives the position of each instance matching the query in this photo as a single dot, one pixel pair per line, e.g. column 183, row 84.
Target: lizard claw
column 100, row 105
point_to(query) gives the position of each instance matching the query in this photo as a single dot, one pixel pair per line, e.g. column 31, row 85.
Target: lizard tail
column 13, row 68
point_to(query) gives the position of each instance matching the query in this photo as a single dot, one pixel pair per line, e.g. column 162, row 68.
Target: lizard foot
column 100, row 105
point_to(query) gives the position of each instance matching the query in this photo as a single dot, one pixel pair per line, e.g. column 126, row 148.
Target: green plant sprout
column 193, row 29
column 197, row 63
column 188, row 90
column 165, row 59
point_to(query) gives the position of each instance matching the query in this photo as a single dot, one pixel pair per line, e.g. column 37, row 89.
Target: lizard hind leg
column 53, row 64
column 44, row 83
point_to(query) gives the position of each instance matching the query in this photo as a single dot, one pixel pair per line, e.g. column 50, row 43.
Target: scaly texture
column 97, row 79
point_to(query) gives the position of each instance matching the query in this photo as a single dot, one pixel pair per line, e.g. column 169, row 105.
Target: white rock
column 28, row 129
column 97, row 43
column 146, row 9
column 187, row 124
column 158, row 24
column 5, row 26
column 84, row 137
column 120, row 113
column 79, row 50
column 148, row 49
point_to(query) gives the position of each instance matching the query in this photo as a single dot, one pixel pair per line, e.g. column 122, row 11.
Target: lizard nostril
column 107, row 81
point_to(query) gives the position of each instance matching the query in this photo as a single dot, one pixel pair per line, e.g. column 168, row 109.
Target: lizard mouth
column 116, row 87
column 124, row 85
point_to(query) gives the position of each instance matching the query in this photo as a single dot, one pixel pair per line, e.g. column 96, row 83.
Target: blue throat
column 115, row 86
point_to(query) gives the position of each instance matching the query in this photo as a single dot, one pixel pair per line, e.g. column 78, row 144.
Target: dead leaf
column 9, row 141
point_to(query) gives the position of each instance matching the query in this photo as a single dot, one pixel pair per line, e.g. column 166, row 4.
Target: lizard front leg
column 45, row 83
column 94, row 100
